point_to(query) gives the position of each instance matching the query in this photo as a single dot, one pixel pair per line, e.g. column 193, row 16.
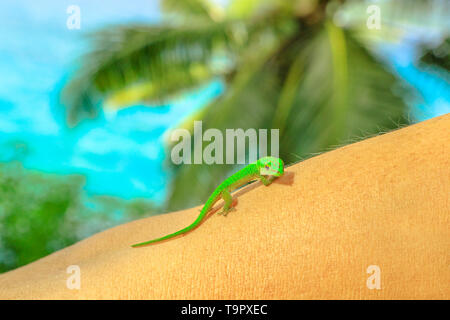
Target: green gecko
column 268, row 166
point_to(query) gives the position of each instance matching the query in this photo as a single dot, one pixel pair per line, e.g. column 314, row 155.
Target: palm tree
column 285, row 65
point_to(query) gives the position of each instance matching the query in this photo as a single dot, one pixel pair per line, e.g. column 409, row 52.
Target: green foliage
column 41, row 213
column 438, row 56
column 33, row 210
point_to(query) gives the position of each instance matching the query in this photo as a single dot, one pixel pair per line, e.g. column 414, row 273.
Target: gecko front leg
column 228, row 206
column 266, row 181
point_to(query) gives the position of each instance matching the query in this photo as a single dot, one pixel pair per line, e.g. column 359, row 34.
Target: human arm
column 311, row 234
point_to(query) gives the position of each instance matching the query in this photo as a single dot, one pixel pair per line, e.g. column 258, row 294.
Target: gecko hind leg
column 228, row 206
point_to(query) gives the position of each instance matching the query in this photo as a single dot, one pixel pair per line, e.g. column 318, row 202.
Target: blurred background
column 90, row 89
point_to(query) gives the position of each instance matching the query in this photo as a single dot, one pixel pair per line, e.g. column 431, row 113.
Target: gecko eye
column 267, row 167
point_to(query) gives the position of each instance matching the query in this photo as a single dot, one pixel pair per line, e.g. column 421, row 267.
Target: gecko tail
column 169, row 236
column 158, row 239
column 172, row 235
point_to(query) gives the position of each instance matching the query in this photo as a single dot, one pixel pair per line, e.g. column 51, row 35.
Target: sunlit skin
column 265, row 169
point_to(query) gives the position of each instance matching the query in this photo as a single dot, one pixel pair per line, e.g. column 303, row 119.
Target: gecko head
column 271, row 166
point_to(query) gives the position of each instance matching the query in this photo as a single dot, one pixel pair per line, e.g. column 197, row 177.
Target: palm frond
column 136, row 64
column 168, row 58
column 340, row 99
column 193, row 9
column 438, row 56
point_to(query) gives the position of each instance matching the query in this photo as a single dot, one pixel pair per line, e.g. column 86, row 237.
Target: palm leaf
column 165, row 58
column 192, row 9
column 142, row 64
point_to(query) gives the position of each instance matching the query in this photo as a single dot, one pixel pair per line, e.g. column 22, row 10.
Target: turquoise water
column 431, row 84
column 120, row 154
